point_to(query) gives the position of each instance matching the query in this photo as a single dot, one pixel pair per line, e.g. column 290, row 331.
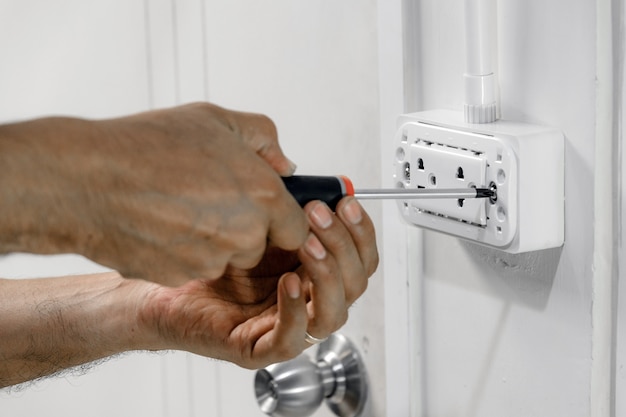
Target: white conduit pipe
column 480, row 78
column 605, row 273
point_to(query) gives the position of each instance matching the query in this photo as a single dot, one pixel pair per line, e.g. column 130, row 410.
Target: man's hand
column 260, row 316
column 249, row 317
column 167, row 195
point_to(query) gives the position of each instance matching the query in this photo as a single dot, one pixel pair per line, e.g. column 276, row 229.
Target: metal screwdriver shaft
column 420, row 193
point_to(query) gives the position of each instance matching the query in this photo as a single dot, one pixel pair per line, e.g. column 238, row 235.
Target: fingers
column 288, row 226
column 361, row 228
column 259, row 132
column 338, row 256
column 286, row 340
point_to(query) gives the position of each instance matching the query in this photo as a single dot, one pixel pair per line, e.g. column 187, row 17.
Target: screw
column 494, row 189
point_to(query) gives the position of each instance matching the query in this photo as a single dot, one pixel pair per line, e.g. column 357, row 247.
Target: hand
column 249, row 317
column 260, row 316
column 167, row 195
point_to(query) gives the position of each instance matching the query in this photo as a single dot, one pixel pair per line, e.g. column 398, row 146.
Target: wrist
column 151, row 312
column 128, row 305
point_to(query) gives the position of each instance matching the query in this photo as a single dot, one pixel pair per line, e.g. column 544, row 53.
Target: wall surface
column 311, row 66
column 509, row 334
column 620, row 347
column 486, row 333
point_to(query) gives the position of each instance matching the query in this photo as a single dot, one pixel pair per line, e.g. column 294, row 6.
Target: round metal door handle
column 299, row 386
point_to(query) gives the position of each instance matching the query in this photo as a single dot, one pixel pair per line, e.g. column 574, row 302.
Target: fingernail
column 292, row 167
column 315, row 247
column 321, row 216
column 292, row 285
column 352, row 211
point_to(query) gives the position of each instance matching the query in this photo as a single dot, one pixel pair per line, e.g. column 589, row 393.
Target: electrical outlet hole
column 459, row 173
column 432, row 179
column 501, row 176
column 420, row 164
column 407, row 171
column 501, row 214
column 499, row 230
column 460, row 202
column 400, row 154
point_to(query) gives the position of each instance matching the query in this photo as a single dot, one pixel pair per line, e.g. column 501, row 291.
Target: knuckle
column 285, row 351
column 253, row 240
column 337, row 321
column 265, row 192
column 372, row 265
column 267, row 127
column 341, row 319
column 257, row 129
column 274, row 188
column 356, row 290
column 248, row 252
column 323, row 272
column 339, row 242
column 329, row 324
column 215, row 266
column 200, row 107
column 214, row 271
column 253, row 363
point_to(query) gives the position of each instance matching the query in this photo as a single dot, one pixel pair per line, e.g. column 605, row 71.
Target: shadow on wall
column 525, row 278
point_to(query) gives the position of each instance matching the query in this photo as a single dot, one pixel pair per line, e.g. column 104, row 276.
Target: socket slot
column 441, row 166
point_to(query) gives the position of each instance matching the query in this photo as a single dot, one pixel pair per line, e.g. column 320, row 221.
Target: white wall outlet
column 437, row 149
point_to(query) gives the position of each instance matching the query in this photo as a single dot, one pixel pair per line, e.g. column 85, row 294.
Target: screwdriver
column 331, row 189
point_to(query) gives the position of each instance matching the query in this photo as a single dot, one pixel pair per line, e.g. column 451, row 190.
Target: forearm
column 51, row 324
column 41, row 195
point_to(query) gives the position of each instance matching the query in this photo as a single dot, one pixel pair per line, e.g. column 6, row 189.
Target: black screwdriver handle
column 329, row 189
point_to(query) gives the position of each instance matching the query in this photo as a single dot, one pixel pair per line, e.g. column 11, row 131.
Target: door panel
column 310, row 66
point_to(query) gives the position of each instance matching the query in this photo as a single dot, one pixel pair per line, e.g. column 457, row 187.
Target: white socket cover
column 525, row 162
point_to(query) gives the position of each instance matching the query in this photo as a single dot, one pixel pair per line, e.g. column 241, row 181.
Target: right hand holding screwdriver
column 167, row 195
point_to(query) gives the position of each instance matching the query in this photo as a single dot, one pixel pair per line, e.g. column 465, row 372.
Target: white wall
column 311, row 66
column 491, row 334
column 512, row 334
column 620, row 346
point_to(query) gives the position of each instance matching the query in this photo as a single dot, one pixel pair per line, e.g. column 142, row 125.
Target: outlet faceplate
column 437, row 149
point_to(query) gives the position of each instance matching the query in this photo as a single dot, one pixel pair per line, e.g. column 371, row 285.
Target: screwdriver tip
column 484, row 193
column 490, row 193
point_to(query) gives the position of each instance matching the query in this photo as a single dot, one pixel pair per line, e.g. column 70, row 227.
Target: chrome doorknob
column 298, row 387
